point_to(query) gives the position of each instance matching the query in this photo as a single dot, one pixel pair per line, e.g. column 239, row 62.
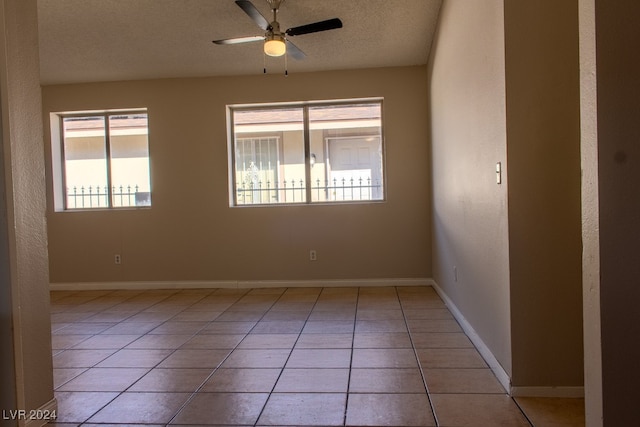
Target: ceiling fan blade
column 294, row 51
column 329, row 24
column 253, row 13
column 239, row 40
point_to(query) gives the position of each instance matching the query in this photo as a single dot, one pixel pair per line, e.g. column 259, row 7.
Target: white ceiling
column 109, row 40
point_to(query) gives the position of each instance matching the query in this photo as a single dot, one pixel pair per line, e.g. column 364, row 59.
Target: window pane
column 85, row 162
column 129, row 144
column 269, row 156
column 346, row 152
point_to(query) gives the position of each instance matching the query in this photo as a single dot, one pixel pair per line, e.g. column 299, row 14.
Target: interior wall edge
column 590, row 215
column 24, row 206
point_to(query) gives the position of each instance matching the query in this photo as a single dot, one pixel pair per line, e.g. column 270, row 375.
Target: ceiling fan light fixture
column 275, row 46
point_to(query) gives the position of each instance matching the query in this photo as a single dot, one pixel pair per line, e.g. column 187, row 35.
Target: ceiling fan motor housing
column 275, row 4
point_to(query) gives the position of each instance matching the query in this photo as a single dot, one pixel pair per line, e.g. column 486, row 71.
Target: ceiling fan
column 276, row 42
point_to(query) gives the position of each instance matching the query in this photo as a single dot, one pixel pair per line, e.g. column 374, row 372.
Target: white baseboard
column 140, row 286
column 237, row 284
column 499, row 372
column 333, row 283
column 49, row 408
column 485, row 352
column 569, row 392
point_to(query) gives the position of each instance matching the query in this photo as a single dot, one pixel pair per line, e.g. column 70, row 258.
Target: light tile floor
column 384, row 356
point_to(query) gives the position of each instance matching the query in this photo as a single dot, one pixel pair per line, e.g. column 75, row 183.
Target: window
column 306, row 153
column 103, row 160
column 256, row 163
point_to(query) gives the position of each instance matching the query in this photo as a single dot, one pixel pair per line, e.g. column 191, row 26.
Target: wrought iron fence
column 98, row 197
column 294, row 191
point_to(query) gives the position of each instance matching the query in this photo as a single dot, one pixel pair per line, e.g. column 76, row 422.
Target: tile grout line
column 175, row 349
column 89, row 336
column 353, row 339
column 526, row 417
column 197, row 390
column 149, row 369
column 87, row 301
column 117, row 393
column 289, row 356
column 415, row 353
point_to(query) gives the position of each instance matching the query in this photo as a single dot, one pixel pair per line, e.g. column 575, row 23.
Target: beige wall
column 543, row 146
column 191, row 234
column 468, row 138
column 504, row 88
column 611, row 94
column 23, row 238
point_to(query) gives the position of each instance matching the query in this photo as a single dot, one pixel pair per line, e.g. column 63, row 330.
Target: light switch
column 498, row 173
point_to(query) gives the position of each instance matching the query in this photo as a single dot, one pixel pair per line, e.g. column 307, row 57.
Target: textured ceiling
column 109, row 40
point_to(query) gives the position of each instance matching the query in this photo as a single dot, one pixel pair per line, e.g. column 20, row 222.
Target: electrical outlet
column 117, row 259
column 313, row 256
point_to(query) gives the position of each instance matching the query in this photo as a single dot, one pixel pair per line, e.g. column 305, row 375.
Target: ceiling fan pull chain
column 286, row 70
column 264, row 63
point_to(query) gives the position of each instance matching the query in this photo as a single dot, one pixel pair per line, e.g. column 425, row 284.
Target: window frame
column 305, row 106
column 59, row 163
